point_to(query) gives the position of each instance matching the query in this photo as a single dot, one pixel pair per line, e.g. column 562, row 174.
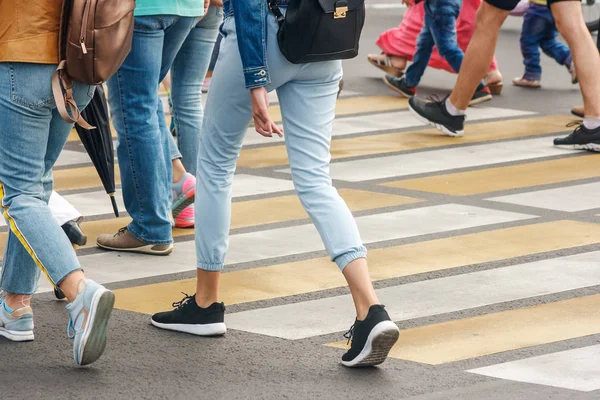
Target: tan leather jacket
column 29, row 30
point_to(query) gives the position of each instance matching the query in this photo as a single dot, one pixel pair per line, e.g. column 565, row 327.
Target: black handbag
column 319, row 30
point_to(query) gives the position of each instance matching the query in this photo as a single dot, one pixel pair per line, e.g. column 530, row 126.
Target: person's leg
column 143, row 150
column 188, row 72
column 425, row 44
column 570, row 24
column 553, row 47
column 33, row 134
column 227, row 116
column 532, row 34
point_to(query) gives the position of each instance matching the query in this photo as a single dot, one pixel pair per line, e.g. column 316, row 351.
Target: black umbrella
column 98, row 142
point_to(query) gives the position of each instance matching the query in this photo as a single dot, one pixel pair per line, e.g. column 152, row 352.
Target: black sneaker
column 581, row 138
column 481, row 95
column 435, row 113
column 372, row 339
column 399, row 85
column 188, row 317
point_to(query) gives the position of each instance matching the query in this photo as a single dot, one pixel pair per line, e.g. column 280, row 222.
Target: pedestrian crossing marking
column 412, row 140
column 426, row 298
column 80, row 178
column 576, row 369
column 506, row 178
column 300, row 277
column 494, row 333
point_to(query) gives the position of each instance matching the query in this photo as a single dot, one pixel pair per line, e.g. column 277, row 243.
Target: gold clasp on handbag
column 340, row 12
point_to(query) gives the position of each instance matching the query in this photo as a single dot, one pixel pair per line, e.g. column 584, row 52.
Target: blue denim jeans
column 307, row 96
column 32, row 135
column 439, row 29
column 143, row 136
column 539, row 30
column 187, row 75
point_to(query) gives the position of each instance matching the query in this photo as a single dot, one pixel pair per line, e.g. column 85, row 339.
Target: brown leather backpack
column 95, row 38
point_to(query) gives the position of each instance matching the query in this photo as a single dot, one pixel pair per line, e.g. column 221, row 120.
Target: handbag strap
column 274, row 7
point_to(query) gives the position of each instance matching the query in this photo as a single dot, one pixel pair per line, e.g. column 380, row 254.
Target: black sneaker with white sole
column 435, row 113
column 372, row 339
column 188, row 317
column 581, row 138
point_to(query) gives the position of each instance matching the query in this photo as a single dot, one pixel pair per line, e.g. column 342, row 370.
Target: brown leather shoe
column 578, row 111
column 123, row 240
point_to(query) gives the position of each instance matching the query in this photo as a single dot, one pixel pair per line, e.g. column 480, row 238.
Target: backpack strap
column 61, row 80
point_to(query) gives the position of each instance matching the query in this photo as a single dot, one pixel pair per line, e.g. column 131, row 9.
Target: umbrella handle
column 114, row 204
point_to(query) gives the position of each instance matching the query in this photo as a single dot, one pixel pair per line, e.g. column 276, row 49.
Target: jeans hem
column 532, row 76
column 211, row 267
column 142, row 239
column 345, row 259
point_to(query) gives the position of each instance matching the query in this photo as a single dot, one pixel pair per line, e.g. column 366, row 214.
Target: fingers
column 265, row 126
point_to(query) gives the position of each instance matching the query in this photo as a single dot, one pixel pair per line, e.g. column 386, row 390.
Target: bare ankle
column 16, row 301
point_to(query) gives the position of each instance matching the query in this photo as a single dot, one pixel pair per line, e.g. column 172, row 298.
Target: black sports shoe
column 435, row 113
column 188, row 317
column 581, row 138
column 372, row 339
column 481, row 95
column 399, row 85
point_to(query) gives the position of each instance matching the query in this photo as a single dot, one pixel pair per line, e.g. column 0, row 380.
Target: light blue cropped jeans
column 307, row 95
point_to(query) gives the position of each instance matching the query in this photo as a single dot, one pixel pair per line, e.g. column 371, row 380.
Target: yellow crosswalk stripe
column 505, row 178
column 412, row 140
column 494, row 333
column 80, row 178
column 257, row 212
column 319, row 274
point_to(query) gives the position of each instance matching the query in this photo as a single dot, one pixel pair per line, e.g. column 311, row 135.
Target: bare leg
column 479, row 54
column 178, row 170
column 570, row 24
column 207, row 287
column 69, row 286
column 359, row 281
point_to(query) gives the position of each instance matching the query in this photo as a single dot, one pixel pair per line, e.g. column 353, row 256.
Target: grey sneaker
column 123, row 240
column 16, row 325
column 89, row 314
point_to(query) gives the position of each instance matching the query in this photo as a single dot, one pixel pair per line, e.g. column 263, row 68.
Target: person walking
column 539, row 30
column 32, row 135
column 251, row 64
column 151, row 196
column 448, row 115
column 439, row 29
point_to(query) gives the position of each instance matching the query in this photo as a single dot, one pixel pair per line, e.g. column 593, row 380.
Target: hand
column 216, row 3
column 408, row 3
column 206, row 4
column 262, row 121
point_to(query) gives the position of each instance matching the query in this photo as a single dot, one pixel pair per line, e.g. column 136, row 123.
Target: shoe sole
column 141, row 250
column 595, row 147
column 184, row 200
column 17, row 336
column 439, row 127
column 217, row 329
column 93, row 341
column 394, row 88
column 480, row 100
column 382, row 338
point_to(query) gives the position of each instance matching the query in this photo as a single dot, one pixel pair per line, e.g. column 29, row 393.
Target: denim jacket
column 251, row 26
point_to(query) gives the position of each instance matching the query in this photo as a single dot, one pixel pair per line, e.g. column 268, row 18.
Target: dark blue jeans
column 439, row 29
column 539, row 30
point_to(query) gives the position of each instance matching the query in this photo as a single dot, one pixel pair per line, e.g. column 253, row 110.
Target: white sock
column 591, row 123
column 453, row 110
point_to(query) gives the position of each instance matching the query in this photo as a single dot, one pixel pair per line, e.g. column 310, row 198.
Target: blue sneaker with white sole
column 89, row 314
column 16, row 325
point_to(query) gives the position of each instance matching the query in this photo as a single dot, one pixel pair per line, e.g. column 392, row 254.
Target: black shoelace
column 578, row 124
column 350, row 334
column 185, row 301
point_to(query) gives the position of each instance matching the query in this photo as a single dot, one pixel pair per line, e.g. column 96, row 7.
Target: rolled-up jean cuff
column 345, row 259
column 211, row 267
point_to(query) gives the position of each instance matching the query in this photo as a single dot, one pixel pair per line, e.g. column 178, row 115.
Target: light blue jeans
column 32, row 135
column 187, row 75
column 143, row 136
column 307, row 95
